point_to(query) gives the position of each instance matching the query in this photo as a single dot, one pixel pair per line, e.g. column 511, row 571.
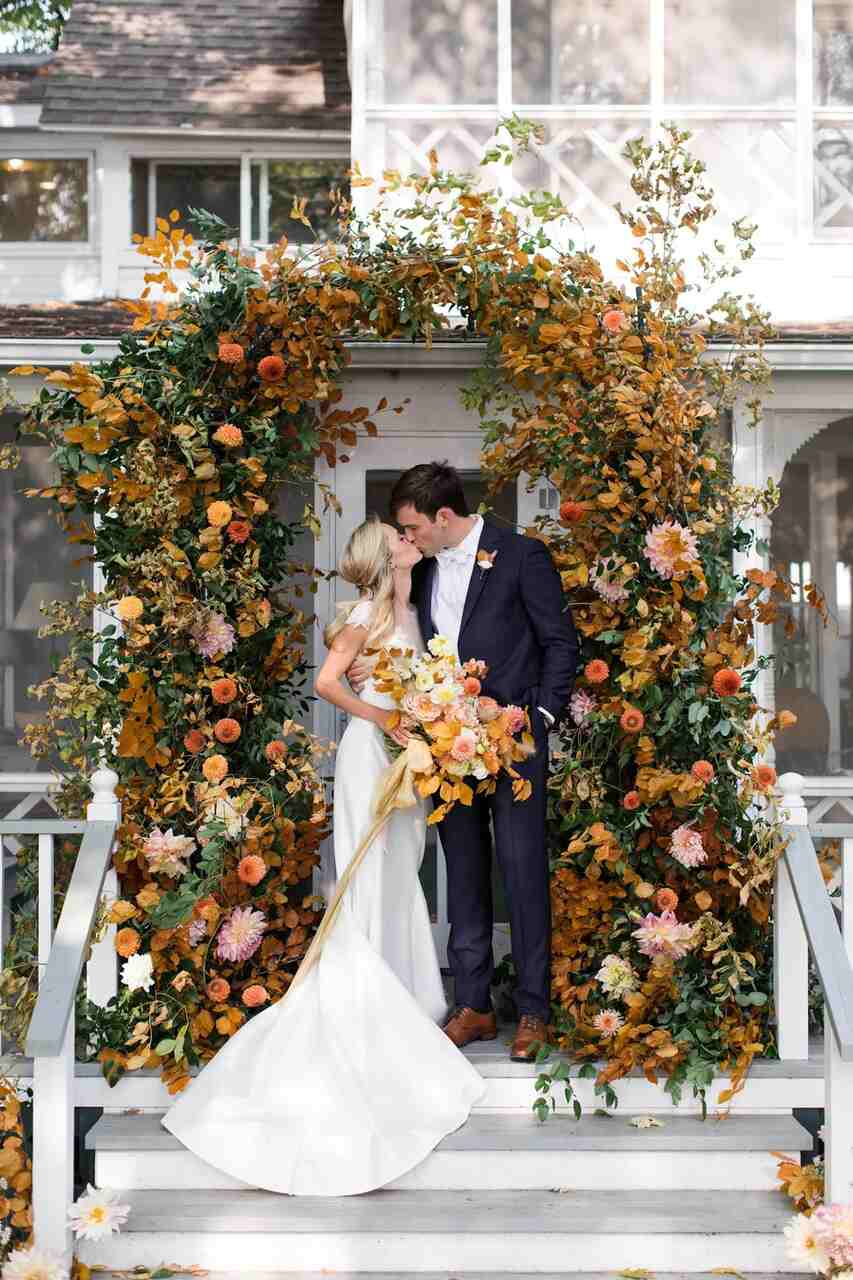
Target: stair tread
column 521, row 1132
column 480, row 1275
column 462, row 1213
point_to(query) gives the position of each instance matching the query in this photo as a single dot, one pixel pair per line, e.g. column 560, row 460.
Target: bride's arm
column 346, row 646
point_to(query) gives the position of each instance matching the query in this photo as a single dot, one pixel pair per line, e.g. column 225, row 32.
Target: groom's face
column 427, row 535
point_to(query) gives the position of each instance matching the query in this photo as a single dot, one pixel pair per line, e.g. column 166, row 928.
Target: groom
column 497, row 596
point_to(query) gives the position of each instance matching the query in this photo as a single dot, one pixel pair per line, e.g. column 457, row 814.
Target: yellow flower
column 440, row 647
column 424, row 680
column 219, row 514
column 129, row 608
column 445, row 694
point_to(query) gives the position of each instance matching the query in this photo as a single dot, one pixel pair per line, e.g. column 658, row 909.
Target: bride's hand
column 392, row 726
column 359, row 673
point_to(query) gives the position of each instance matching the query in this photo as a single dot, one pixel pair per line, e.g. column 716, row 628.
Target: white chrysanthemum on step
column 97, row 1214
column 803, row 1246
column 34, row 1264
column 138, row 972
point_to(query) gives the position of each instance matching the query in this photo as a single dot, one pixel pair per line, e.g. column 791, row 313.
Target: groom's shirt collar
column 469, row 544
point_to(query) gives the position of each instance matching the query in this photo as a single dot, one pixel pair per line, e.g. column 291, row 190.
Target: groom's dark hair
column 429, row 487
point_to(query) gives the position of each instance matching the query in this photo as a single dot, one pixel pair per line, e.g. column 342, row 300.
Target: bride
column 347, row 1082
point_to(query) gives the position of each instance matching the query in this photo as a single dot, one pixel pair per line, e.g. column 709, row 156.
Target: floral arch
column 663, row 849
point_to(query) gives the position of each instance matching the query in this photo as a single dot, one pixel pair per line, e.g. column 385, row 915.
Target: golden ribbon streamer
column 395, row 790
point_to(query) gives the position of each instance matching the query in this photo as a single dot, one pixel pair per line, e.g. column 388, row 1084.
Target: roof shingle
column 237, row 65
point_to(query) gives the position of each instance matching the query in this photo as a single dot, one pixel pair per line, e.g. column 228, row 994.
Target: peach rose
column 218, row 990
column 194, row 741
column 215, row 768
column 764, row 776
column 472, row 686
column 464, row 745
column 239, row 530
column 596, row 671
column 129, row 608
column 218, row 514
column 614, row 321
column 251, row 869
column 631, row 800
column 230, row 352
column 224, row 690
column 516, row 718
column 254, row 996
column 229, row 435
column 421, row 707
column 271, row 369
column 226, row 730
column 487, row 709
column 786, row 719
column 703, row 770
column 127, row 942
column 666, row 899
column 275, row 750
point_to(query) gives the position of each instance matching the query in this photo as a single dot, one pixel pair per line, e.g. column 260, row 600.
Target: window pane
column 43, row 199
column 588, row 52
column 833, row 175
column 213, row 185
column 275, row 184
column 833, row 53
column 727, row 52
column 440, row 52
column 36, row 563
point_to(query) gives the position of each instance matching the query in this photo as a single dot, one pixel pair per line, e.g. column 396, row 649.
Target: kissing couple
column 356, row 1075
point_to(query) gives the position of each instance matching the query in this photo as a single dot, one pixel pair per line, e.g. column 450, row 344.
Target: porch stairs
column 504, row 1195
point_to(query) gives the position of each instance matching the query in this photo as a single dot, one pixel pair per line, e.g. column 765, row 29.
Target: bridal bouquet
column 471, row 739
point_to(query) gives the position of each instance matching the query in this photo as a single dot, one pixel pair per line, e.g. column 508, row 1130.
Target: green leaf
column 164, row 1047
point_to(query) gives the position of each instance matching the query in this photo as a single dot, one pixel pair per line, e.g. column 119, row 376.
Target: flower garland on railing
column 175, row 452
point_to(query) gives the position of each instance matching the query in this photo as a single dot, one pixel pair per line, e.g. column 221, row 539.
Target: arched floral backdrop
column 175, row 452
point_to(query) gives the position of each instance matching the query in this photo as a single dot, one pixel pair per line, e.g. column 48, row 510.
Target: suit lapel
column 427, row 578
column 490, row 539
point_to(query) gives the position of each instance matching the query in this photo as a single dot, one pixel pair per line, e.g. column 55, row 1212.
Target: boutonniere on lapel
column 486, row 560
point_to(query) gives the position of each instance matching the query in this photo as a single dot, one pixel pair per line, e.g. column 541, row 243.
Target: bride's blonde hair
column 367, row 563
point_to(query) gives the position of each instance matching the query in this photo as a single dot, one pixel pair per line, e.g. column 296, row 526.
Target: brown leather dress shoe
column 531, row 1034
column 466, row 1025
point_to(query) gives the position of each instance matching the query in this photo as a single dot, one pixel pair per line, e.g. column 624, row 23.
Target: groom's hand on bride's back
column 359, row 672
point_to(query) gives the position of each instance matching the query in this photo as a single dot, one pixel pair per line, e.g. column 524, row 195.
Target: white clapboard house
column 233, row 106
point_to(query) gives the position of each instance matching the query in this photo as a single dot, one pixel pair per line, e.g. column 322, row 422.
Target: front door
column 363, row 487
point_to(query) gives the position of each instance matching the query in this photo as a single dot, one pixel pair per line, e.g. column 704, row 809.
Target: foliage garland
column 176, row 450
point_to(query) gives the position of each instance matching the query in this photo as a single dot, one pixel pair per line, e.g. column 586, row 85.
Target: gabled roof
column 207, row 65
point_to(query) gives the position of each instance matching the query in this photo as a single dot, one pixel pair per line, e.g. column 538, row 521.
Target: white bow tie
column 453, row 555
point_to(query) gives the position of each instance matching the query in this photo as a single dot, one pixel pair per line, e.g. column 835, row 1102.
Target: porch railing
column 61, row 957
column 805, row 920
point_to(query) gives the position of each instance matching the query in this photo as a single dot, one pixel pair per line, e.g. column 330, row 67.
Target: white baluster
column 102, row 969
column 53, row 1098
column 838, row 1100
column 790, row 948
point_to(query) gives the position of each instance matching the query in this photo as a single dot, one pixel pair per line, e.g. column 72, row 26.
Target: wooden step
column 505, row 1152
column 458, row 1231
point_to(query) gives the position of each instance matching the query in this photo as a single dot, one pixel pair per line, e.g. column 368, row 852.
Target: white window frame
column 54, row 248
column 371, row 117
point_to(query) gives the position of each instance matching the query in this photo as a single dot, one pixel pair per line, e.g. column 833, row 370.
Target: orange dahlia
column 614, row 321
column 764, row 776
column 726, row 682
column 271, row 369
column 596, row 671
column 572, row 512
column 251, row 869
column 127, row 942
column 632, row 720
column 786, row 719
column 226, row 730
column 230, row 352
column 229, row 435
column 215, row 768
column 254, row 996
column 224, row 690
column 702, row 770
column 194, row 741
column 666, row 899
column 219, row 514
column 218, row 990
column 239, row 530
column 631, row 800
column 129, row 608
column 275, row 750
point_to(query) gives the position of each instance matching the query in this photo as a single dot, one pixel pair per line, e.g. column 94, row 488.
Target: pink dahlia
column 833, row 1228
column 663, row 937
column 516, row 718
column 670, row 548
column 581, row 704
column 213, row 636
column 166, row 852
column 196, row 931
column 601, row 580
column 686, row 847
column 464, row 745
column 240, row 935
column 608, row 1022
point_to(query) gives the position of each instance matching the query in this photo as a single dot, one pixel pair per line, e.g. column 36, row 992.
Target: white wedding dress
column 348, row 1082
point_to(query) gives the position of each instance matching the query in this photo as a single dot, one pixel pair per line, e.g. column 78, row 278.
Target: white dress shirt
column 450, row 583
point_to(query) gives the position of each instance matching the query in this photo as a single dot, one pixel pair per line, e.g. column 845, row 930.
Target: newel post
column 790, row 947
column 102, row 969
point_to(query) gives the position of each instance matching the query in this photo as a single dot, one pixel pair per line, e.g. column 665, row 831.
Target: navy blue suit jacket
column 515, row 619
